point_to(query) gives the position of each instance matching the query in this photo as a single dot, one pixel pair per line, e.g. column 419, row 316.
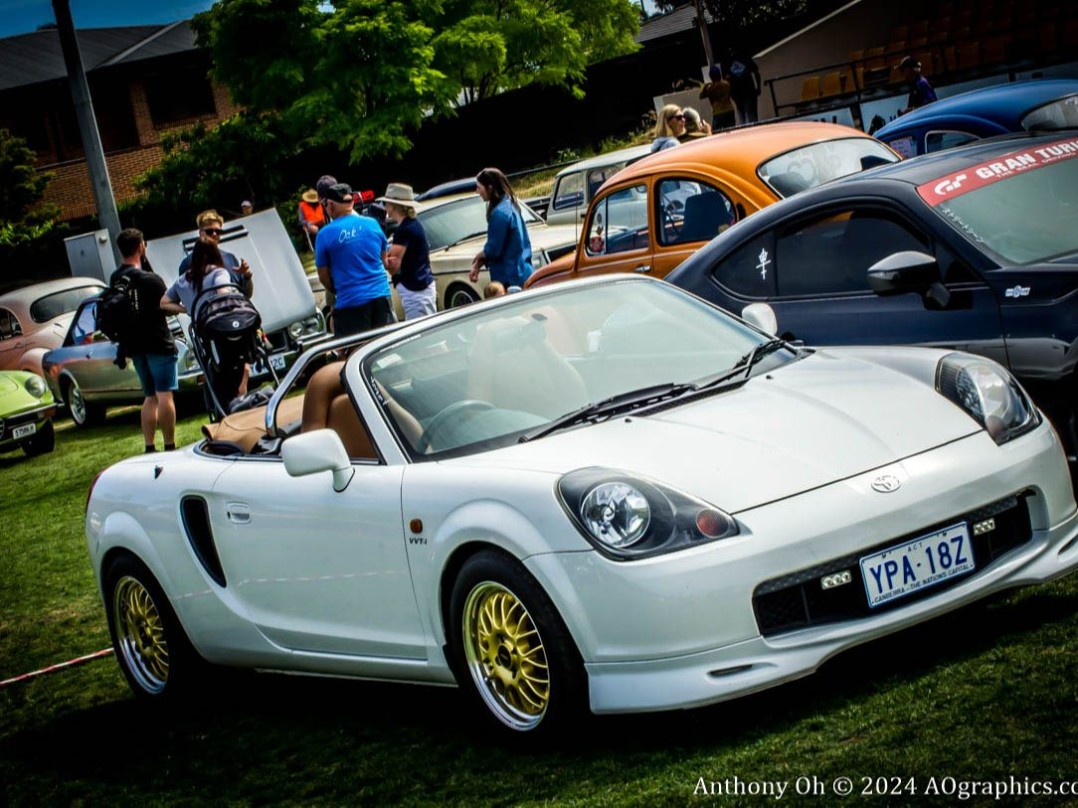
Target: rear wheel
column 153, row 651
column 43, row 442
column 82, row 412
column 513, row 650
column 460, row 295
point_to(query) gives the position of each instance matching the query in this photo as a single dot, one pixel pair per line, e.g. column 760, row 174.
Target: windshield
column 487, row 379
column 817, row 163
column 59, row 303
column 1059, row 114
column 1026, row 218
column 447, row 224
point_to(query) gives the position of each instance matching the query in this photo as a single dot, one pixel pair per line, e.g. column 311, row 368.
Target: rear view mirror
column 909, row 271
column 762, row 316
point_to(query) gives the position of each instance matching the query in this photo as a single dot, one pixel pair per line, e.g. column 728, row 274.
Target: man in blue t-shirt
column 350, row 254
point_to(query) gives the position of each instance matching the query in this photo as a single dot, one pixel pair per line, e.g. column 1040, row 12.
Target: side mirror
column 762, row 316
column 317, row 451
column 909, row 271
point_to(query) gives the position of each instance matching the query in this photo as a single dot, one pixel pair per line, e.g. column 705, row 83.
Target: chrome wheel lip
column 485, row 681
column 460, row 297
column 140, row 634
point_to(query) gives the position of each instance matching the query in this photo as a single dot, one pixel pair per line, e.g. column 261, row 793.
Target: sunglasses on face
column 212, row 231
column 678, row 117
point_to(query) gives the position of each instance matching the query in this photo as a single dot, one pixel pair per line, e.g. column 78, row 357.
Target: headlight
column 187, row 362
column 35, row 386
column 315, row 324
column 628, row 517
column 989, row 394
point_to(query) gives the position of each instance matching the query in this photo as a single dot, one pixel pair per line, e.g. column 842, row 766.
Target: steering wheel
column 443, row 417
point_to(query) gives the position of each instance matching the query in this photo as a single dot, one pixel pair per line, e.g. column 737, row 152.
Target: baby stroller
column 226, row 336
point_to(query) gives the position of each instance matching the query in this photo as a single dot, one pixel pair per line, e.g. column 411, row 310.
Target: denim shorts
column 157, row 372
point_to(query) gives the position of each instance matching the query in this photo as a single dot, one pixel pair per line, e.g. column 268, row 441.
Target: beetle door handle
column 642, row 268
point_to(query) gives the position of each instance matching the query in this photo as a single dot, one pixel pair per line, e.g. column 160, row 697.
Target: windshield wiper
column 743, row 366
column 609, row 407
column 468, row 237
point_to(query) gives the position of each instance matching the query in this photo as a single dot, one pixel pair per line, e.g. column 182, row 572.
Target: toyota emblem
column 886, row 483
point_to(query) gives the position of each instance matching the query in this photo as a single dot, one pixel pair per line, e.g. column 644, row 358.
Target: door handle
column 642, row 268
column 238, row 513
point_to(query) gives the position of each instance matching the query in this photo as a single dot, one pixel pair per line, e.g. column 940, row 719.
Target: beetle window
column 832, row 254
column 59, row 303
column 619, row 222
column 569, row 193
column 938, row 141
column 1059, row 114
column 9, row 325
column 817, row 163
column 692, row 211
column 84, row 326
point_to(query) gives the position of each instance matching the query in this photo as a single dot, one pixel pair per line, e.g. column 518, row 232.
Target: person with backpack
column 130, row 314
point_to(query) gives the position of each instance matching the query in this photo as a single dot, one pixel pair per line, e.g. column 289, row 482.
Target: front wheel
column 460, row 295
column 155, row 655
column 82, row 412
column 513, row 649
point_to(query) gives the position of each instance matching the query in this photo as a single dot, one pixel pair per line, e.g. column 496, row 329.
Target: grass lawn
column 984, row 694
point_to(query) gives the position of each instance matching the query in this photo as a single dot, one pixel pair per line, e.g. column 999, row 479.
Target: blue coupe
column 1022, row 106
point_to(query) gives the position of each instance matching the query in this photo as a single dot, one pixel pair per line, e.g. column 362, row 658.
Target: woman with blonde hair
column 668, row 128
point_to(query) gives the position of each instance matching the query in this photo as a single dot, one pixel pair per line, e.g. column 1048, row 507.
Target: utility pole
column 84, row 112
column 700, row 21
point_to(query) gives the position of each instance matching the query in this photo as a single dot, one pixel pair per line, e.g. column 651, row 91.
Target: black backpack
column 116, row 310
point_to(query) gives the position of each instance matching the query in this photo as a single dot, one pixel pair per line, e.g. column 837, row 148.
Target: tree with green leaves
column 362, row 74
column 23, row 220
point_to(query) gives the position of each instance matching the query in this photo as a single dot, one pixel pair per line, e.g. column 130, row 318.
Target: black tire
column 82, row 412
column 459, row 295
column 43, row 442
column 156, row 658
column 512, row 650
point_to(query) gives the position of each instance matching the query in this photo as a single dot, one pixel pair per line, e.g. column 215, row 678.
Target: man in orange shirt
column 312, row 216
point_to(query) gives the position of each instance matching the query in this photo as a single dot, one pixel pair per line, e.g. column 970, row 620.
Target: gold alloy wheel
column 140, row 634
column 505, row 656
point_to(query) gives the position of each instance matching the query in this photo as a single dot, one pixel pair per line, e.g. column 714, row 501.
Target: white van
column 575, row 185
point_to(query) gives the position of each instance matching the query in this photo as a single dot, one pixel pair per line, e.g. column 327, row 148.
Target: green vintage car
column 26, row 410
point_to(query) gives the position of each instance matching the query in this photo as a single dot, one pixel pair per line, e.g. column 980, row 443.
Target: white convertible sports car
column 606, row 495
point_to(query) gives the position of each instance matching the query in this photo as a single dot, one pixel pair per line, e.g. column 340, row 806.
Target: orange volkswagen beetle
column 653, row 214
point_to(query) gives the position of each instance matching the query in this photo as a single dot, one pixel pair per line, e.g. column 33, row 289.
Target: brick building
column 146, row 81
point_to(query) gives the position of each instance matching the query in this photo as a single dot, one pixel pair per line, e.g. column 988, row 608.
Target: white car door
column 314, row 569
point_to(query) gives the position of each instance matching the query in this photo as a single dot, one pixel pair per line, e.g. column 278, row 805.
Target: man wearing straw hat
column 312, row 216
column 408, row 257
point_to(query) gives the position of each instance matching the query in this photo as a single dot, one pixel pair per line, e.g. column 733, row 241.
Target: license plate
column 926, row 561
column 278, row 361
column 23, row 431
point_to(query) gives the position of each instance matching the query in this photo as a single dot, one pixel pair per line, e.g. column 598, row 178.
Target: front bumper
column 10, row 424
column 680, row 630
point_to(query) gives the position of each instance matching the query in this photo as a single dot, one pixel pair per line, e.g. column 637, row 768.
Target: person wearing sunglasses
column 668, row 128
column 210, row 227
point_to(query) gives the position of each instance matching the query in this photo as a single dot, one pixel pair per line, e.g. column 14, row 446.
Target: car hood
column 8, row 384
column 808, row 424
column 542, row 237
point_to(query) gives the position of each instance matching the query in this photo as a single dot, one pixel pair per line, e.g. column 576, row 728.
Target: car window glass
column 938, row 141
column 692, row 211
column 619, row 222
column 817, row 163
column 1026, row 218
column 9, row 325
column 84, row 326
column 451, row 222
column 51, row 306
column 597, row 176
column 1059, row 114
column 749, row 270
column 832, row 254
column 570, row 191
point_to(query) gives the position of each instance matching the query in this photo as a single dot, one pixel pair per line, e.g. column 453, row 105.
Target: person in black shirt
column 408, row 257
column 151, row 348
